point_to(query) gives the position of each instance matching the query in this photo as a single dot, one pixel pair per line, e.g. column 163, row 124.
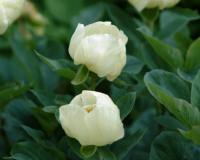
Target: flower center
column 89, row 108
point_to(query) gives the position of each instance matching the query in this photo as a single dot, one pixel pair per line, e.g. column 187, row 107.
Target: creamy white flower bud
column 10, row 10
column 161, row 4
column 92, row 118
column 101, row 47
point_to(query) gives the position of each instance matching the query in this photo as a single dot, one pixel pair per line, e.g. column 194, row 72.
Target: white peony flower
column 10, row 10
column 161, row 4
column 92, row 118
column 101, row 47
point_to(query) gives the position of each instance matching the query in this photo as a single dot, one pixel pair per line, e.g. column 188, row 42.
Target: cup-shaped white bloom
column 92, row 118
column 10, row 10
column 101, row 47
column 161, row 4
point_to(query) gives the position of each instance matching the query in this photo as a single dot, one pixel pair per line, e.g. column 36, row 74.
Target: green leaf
column 195, row 93
column 169, row 122
column 171, row 91
column 193, row 56
column 172, row 56
column 122, row 147
column 46, row 120
column 63, row 10
column 17, row 113
column 89, row 15
column 187, row 75
column 88, row 151
column 133, row 65
column 81, row 76
column 23, row 56
column 75, row 146
column 106, row 154
column 12, row 91
column 168, row 82
column 182, row 41
column 31, row 150
column 62, row 67
column 150, row 15
column 171, row 146
column 50, row 109
column 36, row 135
column 44, row 97
column 192, row 134
column 173, row 20
column 126, row 104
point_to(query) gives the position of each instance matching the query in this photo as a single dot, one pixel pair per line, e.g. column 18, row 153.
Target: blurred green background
column 31, row 89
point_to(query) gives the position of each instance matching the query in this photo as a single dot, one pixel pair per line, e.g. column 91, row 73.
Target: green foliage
column 157, row 92
column 170, row 55
column 88, row 151
column 192, row 57
column 126, row 103
column 81, row 76
column 171, row 146
column 195, row 99
column 172, row 92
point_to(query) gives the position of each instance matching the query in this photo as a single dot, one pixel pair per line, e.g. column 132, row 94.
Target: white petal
column 72, row 121
column 102, row 54
column 76, row 39
column 139, row 4
column 104, row 126
column 105, row 28
column 169, row 3
column 101, row 47
column 100, row 126
column 154, row 3
column 3, row 20
column 10, row 10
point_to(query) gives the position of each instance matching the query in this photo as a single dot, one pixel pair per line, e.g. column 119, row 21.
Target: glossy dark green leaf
column 63, row 10
column 88, row 151
column 150, row 16
column 182, row 41
column 75, row 146
column 81, row 76
column 195, row 93
column 179, row 18
column 43, row 97
column 169, row 122
column 36, row 135
column 192, row 134
column 89, row 15
column 106, row 154
column 127, row 143
column 172, row 56
column 171, row 91
column 169, row 82
column 171, row 146
column 133, row 65
column 12, row 91
column 46, row 120
column 17, row 113
column 126, row 104
column 31, row 150
column 50, row 109
column 61, row 67
column 188, row 76
column 193, row 56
